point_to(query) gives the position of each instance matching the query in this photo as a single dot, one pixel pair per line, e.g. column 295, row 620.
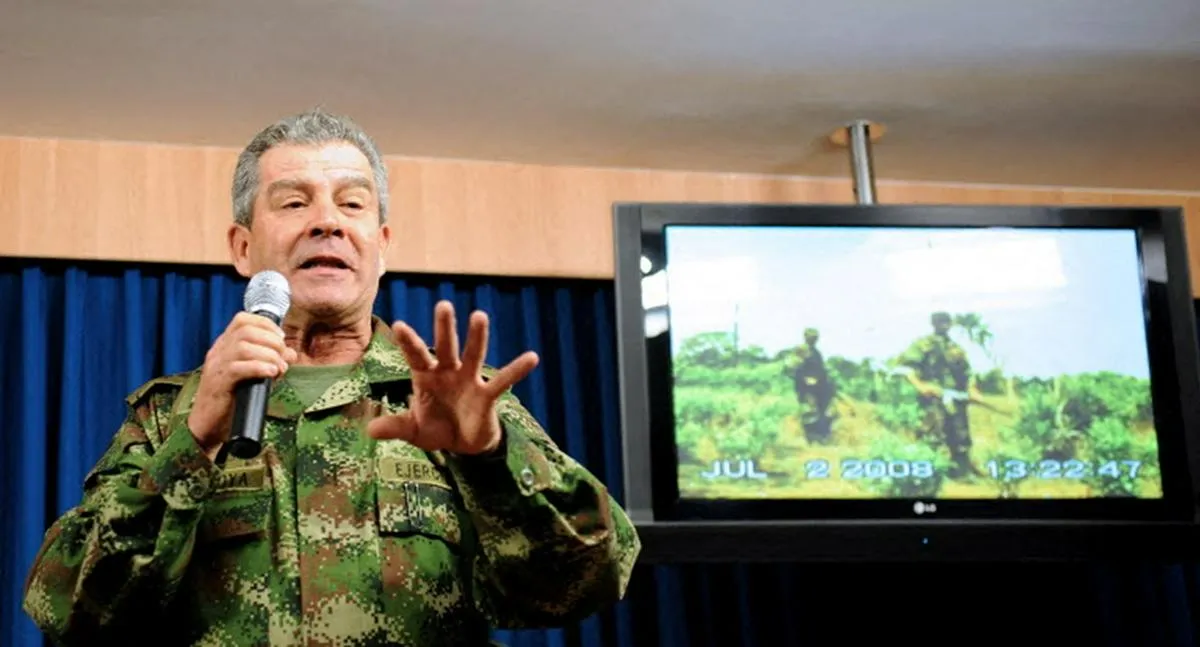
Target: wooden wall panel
column 149, row 202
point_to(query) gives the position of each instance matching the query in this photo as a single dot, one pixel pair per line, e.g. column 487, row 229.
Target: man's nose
column 327, row 221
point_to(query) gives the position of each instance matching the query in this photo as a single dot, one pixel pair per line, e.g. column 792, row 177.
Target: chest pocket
column 415, row 496
column 239, row 506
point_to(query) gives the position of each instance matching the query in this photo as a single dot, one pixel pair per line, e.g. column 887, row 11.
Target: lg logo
column 921, row 507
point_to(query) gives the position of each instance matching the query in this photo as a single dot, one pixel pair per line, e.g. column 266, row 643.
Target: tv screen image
column 877, row 362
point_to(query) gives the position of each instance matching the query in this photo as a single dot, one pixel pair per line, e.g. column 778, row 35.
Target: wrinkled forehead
column 322, row 164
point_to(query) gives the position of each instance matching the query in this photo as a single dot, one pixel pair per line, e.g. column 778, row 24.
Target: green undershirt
column 311, row 382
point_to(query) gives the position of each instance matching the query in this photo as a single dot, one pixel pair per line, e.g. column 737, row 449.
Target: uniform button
column 197, row 490
column 527, row 476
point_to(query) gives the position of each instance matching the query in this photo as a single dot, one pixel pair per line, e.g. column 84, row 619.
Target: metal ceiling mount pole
column 858, row 136
column 861, row 166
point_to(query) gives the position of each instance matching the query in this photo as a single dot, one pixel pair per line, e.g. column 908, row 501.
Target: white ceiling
column 1061, row 92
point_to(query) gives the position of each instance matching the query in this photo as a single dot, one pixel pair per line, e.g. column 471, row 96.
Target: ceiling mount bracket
column 858, row 135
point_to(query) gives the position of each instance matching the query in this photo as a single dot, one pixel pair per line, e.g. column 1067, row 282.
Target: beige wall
column 142, row 202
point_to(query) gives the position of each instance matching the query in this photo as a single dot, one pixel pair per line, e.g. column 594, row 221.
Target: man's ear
column 239, row 248
column 385, row 240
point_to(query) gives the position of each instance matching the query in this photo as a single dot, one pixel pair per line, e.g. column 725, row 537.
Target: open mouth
column 328, row 262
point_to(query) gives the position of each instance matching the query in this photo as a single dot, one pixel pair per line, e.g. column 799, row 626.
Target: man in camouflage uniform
column 402, row 497
column 814, row 391
column 938, row 368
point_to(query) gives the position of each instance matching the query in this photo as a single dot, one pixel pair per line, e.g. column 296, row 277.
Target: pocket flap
column 240, row 504
column 415, row 507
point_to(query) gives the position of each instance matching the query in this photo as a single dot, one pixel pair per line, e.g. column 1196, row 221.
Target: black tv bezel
column 651, row 485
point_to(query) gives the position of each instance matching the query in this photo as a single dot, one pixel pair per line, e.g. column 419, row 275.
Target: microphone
column 267, row 295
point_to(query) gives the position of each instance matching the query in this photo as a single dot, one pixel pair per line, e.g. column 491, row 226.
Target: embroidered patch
column 392, row 468
column 242, row 478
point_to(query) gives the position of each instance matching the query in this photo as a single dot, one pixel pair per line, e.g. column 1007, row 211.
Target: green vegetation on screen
column 739, row 430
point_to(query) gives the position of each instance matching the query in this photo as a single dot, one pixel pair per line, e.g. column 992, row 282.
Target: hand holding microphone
column 231, row 400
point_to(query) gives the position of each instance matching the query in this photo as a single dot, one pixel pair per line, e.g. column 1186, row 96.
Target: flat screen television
column 887, row 381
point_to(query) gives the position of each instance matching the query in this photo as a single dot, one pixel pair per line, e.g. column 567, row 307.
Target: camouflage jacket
column 938, row 360
column 809, row 369
column 328, row 537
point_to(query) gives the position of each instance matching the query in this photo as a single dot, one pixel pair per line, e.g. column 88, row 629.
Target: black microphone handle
column 249, row 416
column 249, row 412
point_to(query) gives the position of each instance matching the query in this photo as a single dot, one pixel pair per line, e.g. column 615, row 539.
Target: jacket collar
column 382, row 362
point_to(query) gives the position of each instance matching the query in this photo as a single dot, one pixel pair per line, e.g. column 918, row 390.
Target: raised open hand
column 453, row 408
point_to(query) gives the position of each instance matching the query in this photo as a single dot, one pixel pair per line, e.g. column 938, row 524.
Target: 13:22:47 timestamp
column 1013, row 470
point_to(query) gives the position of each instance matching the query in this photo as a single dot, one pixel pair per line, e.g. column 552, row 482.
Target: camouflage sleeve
column 553, row 545
column 118, row 555
column 914, row 355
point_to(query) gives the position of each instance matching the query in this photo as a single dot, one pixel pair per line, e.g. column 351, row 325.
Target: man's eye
column 293, row 204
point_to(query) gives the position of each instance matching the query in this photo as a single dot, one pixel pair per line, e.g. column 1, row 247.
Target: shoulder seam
column 173, row 381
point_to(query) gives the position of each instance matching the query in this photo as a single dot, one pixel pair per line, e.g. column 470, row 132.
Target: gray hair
column 307, row 128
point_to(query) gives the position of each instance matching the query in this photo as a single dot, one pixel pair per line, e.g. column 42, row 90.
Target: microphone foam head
column 268, row 291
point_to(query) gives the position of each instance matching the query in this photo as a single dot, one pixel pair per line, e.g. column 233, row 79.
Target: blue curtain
column 76, row 338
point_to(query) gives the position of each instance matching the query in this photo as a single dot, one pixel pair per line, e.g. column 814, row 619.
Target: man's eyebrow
column 286, row 183
column 348, row 182
column 356, row 182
